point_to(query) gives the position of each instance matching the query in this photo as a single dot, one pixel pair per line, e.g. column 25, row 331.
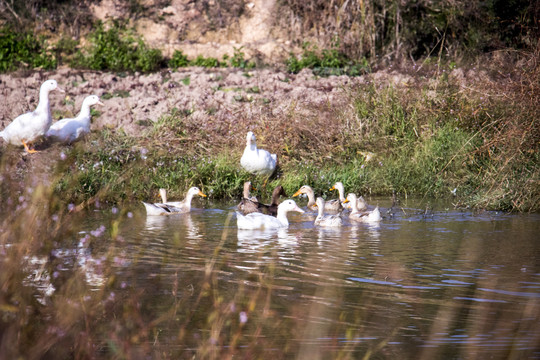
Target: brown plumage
column 271, row 209
column 249, row 205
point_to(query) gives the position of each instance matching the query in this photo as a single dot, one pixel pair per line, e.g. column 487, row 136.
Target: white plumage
column 326, row 220
column 257, row 161
column 29, row 127
column 361, row 203
column 72, row 129
column 172, row 207
column 363, row 216
column 261, row 221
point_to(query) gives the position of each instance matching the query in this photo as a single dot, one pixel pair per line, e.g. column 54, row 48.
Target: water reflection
column 422, row 285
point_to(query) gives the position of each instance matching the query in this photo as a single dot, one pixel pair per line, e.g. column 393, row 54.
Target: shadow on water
column 421, row 284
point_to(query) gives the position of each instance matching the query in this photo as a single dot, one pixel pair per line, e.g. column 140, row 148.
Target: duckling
column 363, row 216
column 29, row 127
column 333, row 205
column 261, row 221
column 326, row 220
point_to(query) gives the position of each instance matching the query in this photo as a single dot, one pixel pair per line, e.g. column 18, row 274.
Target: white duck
column 372, row 216
column 257, row 161
column 29, row 127
column 261, row 221
column 326, row 220
column 333, row 205
column 361, row 202
column 173, row 207
column 69, row 130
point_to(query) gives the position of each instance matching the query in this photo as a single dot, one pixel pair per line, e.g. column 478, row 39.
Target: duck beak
column 332, row 188
column 100, row 103
column 200, row 193
column 345, row 201
column 297, row 193
column 60, row 89
column 299, row 210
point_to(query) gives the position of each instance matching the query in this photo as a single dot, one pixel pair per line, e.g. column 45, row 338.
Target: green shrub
column 115, row 49
column 238, row 61
column 178, row 60
column 209, row 62
column 326, row 62
column 24, row 49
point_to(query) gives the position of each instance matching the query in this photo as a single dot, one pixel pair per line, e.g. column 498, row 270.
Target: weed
column 117, row 50
column 238, row 61
column 24, row 49
column 326, row 62
column 206, row 62
column 178, row 60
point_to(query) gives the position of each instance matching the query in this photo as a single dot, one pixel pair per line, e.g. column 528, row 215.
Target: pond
column 422, row 284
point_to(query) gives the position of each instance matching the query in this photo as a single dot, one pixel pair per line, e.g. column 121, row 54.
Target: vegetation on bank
column 437, row 138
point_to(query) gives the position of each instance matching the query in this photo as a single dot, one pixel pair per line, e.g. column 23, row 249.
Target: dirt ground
column 132, row 102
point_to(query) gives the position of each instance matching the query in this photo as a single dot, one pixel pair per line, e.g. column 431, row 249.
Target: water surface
column 440, row 283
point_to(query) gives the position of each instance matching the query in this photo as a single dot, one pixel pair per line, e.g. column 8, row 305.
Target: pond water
column 434, row 284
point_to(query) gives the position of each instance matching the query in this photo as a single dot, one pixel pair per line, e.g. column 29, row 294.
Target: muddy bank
column 211, row 96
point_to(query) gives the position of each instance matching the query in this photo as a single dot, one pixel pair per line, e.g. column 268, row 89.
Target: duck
column 70, row 130
column 333, row 205
column 272, row 208
column 29, row 127
column 249, row 203
column 372, row 216
column 326, row 220
column 362, row 205
column 262, row 221
column 257, row 161
column 172, row 207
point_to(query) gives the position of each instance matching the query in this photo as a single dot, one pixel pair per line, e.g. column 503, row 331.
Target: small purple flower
column 114, row 210
column 63, row 156
column 71, row 207
column 130, row 214
column 243, row 317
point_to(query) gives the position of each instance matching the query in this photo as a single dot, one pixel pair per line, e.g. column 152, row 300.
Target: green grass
column 326, row 62
column 390, row 140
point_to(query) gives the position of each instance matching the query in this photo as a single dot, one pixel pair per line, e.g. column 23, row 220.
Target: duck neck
column 311, row 197
column 246, row 192
column 354, row 205
column 43, row 104
column 282, row 217
column 341, row 197
column 85, row 112
column 187, row 201
column 275, row 198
